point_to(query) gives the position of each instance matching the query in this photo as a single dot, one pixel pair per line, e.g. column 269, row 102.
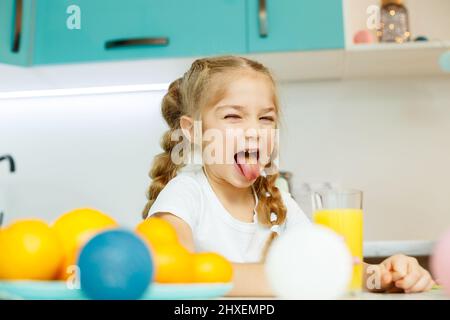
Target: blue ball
column 115, row 265
column 444, row 61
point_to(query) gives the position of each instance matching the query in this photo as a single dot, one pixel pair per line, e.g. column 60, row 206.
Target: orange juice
column 349, row 224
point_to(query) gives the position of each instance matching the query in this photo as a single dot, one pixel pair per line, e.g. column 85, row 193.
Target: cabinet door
column 88, row 30
column 291, row 25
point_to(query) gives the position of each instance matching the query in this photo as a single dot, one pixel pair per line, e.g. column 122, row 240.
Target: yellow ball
column 212, row 267
column 75, row 228
column 173, row 264
column 157, row 232
column 29, row 250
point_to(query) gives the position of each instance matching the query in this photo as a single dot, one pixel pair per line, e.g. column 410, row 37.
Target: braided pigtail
column 271, row 210
column 163, row 168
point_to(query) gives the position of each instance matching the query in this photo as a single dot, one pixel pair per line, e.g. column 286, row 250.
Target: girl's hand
column 401, row 273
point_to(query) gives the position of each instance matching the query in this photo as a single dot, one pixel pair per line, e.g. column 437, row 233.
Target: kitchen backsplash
column 388, row 138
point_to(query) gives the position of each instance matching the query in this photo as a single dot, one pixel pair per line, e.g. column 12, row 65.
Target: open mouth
column 247, row 163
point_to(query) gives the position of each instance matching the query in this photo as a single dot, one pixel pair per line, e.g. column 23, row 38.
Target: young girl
column 231, row 205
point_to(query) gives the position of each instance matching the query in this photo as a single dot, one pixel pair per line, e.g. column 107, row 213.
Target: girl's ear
column 187, row 126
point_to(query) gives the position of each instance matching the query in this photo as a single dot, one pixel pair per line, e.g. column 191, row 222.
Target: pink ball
column 440, row 262
column 363, row 36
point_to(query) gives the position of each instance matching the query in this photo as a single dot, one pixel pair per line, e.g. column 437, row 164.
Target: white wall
column 80, row 151
column 388, row 138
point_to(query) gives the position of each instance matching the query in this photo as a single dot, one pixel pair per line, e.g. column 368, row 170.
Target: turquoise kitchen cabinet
column 295, row 25
column 35, row 32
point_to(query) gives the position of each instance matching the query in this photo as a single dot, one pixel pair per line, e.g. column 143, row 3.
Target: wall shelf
column 394, row 60
column 427, row 18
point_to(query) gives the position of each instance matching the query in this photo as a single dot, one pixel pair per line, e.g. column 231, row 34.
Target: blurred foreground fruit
column 29, row 249
column 157, row 231
column 173, row 264
column 115, row 264
column 212, row 267
column 440, row 261
column 74, row 228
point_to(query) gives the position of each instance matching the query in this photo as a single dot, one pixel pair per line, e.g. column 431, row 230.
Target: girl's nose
column 252, row 132
column 252, row 137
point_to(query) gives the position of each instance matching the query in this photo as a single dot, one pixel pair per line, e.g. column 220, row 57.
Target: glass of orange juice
column 341, row 210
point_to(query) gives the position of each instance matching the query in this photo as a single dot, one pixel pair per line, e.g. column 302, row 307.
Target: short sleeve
column 295, row 215
column 182, row 198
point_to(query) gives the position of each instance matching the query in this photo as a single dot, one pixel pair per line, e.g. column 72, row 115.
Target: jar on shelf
column 394, row 25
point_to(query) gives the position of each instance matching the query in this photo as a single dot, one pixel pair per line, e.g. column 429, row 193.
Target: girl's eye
column 270, row 119
column 232, row 116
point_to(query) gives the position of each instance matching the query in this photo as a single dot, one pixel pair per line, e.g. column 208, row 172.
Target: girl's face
column 239, row 130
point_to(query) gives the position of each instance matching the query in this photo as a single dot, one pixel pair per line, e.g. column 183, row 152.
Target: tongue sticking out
column 248, row 164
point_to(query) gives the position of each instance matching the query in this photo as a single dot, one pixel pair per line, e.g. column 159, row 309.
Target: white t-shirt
column 190, row 197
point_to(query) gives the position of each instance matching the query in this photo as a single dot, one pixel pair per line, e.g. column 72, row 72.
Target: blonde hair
column 188, row 95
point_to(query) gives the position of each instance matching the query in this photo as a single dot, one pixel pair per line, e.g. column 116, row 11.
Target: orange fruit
column 74, row 228
column 29, row 250
column 212, row 267
column 157, row 231
column 173, row 264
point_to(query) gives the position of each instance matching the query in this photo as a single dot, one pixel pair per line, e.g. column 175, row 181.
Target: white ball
column 309, row 263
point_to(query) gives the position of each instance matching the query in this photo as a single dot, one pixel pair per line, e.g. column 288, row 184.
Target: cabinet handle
column 262, row 15
column 17, row 25
column 120, row 43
